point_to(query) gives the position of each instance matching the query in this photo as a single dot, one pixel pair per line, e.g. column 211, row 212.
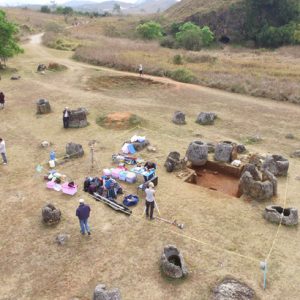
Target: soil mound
column 119, row 82
column 119, row 120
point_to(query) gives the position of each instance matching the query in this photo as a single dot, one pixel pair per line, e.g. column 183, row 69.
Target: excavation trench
column 218, row 177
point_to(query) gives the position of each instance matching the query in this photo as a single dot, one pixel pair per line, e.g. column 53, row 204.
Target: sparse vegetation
column 182, row 75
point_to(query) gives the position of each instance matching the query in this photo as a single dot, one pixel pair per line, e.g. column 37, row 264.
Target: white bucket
column 52, row 163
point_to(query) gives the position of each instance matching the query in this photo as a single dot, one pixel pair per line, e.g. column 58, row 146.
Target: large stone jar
column 223, row 151
column 43, row 106
column 78, row 118
column 197, row 153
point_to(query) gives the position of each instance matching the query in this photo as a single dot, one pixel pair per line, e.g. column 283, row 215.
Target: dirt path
column 124, row 252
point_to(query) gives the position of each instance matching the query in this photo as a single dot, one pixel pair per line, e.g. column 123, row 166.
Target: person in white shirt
column 150, row 200
column 66, row 117
column 3, row 151
column 141, row 70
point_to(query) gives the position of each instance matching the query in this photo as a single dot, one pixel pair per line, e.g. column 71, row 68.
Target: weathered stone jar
column 78, row 118
column 74, row 150
column 43, row 106
column 172, row 262
column 223, row 151
column 197, row 153
column 50, row 214
column 179, row 118
column 274, row 214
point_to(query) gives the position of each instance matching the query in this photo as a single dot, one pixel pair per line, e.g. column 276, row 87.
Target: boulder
column 223, row 151
column 62, row 239
column 172, row 262
column 276, row 164
column 253, row 171
column 179, row 118
column 206, row 118
column 232, row 289
column 101, row 293
column 50, row 214
column 74, row 150
column 241, row 149
column 197, row 153
column 41, row 67
column 15, row 77
column 290, row 136
column 173, row 162
column 78, row 118
column 274, row 214
column 257, row 190
column 43, row 106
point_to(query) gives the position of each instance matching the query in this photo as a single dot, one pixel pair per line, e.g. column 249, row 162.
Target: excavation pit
column 218, row 177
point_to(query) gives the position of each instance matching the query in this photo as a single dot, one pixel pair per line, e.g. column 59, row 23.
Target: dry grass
column 124, row 251
column 260, row 73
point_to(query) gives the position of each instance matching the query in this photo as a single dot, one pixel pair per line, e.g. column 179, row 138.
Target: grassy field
column 223, row 235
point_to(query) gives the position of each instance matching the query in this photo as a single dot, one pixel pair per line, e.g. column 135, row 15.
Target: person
column 109, row 184
column 150, row 200
column 2, row 100
column 149, row 166
column 66, row 117
column 141, row 70
column 83, row 214
column 3, row 151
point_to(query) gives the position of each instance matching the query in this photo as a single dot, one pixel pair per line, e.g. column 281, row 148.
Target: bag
column 92, row 189
column 131, row 200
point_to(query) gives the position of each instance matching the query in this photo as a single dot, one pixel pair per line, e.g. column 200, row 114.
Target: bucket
column 52, row 163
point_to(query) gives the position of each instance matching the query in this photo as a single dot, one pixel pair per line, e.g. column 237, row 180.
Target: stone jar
column 179, row 118
column 197, row 153
column 43, row 106
column 223, row 152
column 78, row 118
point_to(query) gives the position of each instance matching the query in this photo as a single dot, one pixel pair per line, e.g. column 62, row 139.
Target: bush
column 182, row 75
column 177, row 59
column 273, row 37
column 192, row 37
column 45, row 9
column 149, row 30
column 168, row 42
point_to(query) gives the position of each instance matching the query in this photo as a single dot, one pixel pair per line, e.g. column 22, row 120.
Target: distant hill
column 151, row 6
column 225, row 17
column 88, row 6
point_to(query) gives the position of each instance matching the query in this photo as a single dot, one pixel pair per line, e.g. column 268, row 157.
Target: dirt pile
column 119, row 120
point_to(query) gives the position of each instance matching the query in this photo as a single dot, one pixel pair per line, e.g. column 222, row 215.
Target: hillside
column 186, row 8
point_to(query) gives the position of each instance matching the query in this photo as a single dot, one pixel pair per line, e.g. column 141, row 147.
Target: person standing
column 3, row 151
column 66, row 117
column 2, row 100
column 141, row 70
column 150, row 200
column 83, row 214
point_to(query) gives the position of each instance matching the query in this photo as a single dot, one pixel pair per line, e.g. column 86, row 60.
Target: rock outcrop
column 179, row 118
column 74, row 150
column 197, row 153
column 50, row 214
column 43, row 106
column 101, row 293
column 274, row 214
column 172, row 262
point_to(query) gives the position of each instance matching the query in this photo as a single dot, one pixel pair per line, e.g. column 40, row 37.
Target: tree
column 117, row 8
column 150, row 30
column 8, row 43
column 192, row 37
column 45, row 9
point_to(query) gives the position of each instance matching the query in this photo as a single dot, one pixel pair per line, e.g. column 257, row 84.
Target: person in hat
column 150, row 200
column 83, row 214
column 3, row 151
column 66, row 117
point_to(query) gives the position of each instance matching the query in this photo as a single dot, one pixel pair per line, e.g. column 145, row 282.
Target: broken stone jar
column 197, row 153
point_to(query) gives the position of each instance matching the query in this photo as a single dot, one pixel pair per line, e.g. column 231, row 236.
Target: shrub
column 192, row 37
column 177, row 59
column 45, row 9
column 168, row 42
column 182, row 75
column 149, row 30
